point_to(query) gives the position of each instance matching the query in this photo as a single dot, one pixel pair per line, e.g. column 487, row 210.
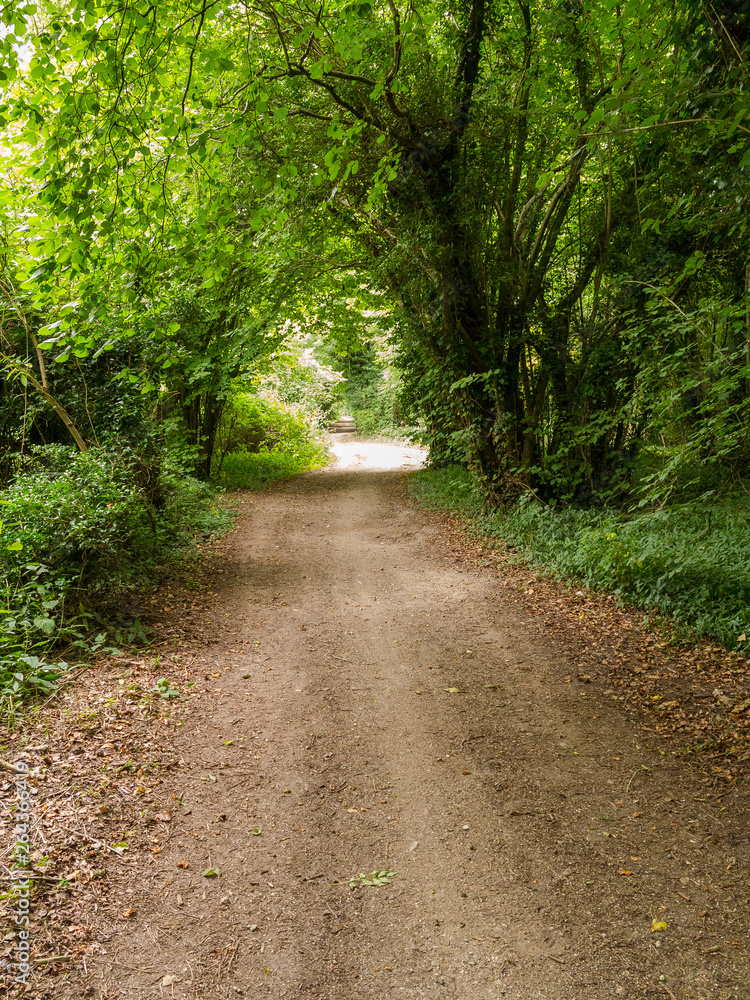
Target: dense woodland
column 516, row 230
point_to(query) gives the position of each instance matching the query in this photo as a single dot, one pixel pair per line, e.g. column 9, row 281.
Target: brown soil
column 367, row 696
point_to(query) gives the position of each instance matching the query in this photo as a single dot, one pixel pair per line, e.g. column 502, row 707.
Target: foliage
column 79, row 528
column 689, row 561
column 74, row 512
column 508, row 177
column 691, row 390
column 374, row 878
column 29, row 625
column 295, row 376
column 261, row 440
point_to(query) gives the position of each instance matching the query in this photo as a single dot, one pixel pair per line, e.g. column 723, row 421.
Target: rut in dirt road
column 370, row 706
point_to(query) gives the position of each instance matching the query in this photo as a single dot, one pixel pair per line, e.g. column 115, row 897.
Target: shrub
column 261, row 440
column 30, row 618
column 80, row 527
column 71, row 512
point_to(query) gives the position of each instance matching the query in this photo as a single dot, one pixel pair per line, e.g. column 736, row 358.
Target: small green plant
column 374, row 878
column 164, row 689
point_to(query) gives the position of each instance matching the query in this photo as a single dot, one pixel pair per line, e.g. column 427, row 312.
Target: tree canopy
column 552, row 196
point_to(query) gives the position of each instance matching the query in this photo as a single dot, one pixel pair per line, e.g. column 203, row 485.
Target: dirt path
column 368, row 704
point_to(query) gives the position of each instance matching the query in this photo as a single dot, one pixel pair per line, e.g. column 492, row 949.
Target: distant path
column 370, row 704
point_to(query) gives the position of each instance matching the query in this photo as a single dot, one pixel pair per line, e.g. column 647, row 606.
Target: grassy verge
column 254, row 470
column 689, row 562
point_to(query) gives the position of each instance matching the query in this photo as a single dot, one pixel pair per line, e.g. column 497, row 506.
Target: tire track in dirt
column 381, row 708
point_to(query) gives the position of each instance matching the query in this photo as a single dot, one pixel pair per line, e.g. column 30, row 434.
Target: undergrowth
column 262, row 440
column 81, row 533
column 688, row 561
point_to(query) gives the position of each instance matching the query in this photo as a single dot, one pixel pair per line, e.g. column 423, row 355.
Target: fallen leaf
column 164, row 817
column 658, row 925
column 466, row 772
column 212, row 873
column 182, row 864
column 625, row 871
column 451, row 690
column 129, row 913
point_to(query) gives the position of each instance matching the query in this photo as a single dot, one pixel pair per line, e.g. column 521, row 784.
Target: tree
column 484, row 163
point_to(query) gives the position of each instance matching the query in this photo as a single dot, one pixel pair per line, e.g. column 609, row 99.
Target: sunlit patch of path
column 371, row 456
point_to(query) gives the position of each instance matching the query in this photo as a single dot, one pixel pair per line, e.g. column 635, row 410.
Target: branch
column 396, row 64
column 726, row 32
column 558, row 208
column 359, row 113
column 648, row 128
column 301, row 113
column 522, row 129
column 468, row 67
column 192, row 56
column 554, row 231
column 23, row 373
column 351, row 76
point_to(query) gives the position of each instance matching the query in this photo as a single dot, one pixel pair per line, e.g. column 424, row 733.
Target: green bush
column 261, row 440
column 79, row 528
column 30, row 623
column 72, row 512
column 376, row 407
column 689, row 561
